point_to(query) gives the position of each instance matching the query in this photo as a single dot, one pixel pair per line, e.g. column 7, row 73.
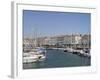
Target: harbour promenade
column 75, row 44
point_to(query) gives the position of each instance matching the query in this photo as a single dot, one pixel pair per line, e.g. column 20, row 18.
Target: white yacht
column 34, row 56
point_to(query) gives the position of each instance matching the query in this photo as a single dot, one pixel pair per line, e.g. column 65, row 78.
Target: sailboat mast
column 35, row 36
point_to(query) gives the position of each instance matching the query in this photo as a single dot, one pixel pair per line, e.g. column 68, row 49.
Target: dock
column 75, row 51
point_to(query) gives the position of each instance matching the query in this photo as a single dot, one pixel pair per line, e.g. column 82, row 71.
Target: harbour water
column 59, row 58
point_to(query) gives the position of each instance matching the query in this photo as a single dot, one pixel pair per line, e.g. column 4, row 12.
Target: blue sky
column 47, row 23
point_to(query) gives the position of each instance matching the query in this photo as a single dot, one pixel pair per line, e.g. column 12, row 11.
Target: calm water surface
column 59, row 58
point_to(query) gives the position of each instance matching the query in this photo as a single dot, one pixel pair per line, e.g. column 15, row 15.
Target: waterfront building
column 47, row 41
column 41, row 41
column 60, row 41
column 86, row 41
column 67, row 41
column 72, row 40
column 76, row 41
